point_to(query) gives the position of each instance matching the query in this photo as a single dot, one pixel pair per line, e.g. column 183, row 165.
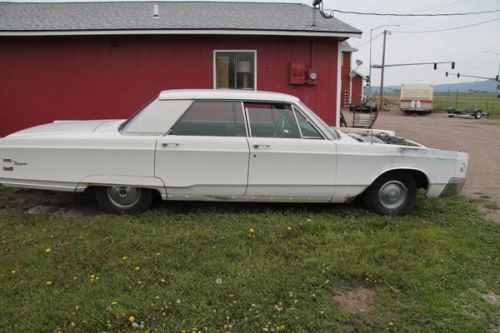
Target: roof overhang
column 182, row 32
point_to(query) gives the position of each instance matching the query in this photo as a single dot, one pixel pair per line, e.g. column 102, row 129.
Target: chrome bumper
column 453, row 187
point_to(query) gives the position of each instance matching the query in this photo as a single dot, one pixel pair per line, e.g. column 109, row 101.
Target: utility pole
column 371, row 39
column 382, row 74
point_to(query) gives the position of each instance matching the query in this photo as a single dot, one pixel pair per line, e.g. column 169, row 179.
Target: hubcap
column 393, row 194
column 124, row 196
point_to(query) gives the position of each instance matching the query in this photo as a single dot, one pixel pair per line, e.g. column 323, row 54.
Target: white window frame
column 234, row 51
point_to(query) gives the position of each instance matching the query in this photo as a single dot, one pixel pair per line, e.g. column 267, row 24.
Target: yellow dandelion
column 309, row 221
column 251, row 230
column 114, row 302
column 124, row 258
column 390, row 324
column 157, row 254
column 131, row 319
column 48, row 250
column 289, row 228
column 163, row 281
column 13, row 272
column 48, row 283
column 92, row 280
column 137, row 268
column 92, row 276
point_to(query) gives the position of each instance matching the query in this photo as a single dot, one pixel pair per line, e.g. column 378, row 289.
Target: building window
column 235, row 70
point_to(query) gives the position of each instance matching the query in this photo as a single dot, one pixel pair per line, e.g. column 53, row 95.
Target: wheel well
column 420, row 178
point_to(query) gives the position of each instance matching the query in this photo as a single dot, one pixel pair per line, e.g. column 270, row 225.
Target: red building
column 105, row 60
column 351, row 81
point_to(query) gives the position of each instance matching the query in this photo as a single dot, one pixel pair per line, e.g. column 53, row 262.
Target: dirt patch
column 492, row 298
column 57, row 204
column 354, row 301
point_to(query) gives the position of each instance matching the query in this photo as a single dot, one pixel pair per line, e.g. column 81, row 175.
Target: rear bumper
column 453, row 187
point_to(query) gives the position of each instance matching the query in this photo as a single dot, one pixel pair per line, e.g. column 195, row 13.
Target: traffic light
column 453, row 65
column 458, row 75
column 446, row 74
column 368, row 80
column 435, row 66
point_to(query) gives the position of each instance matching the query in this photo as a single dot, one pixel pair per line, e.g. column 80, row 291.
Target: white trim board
column 339, row 83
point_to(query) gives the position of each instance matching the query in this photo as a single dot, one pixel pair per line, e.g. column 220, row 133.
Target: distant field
column 463, row 102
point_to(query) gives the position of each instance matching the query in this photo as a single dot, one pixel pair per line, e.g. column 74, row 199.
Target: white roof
column 227, row 94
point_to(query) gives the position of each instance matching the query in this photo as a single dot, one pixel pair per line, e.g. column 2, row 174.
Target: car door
column 290, row 160
column 205, row 154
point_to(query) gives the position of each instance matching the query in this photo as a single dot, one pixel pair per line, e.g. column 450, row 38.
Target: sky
column 464, row 46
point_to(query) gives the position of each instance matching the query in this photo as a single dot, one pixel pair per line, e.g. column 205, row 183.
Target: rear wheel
column 393, row 194
column 119, row 199
column 477, row 114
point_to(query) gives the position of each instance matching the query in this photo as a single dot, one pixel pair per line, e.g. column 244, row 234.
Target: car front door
column 205, row 154
column 290, row 160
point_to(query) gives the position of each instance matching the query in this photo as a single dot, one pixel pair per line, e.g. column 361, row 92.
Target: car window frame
column 247, row 117
column 237, row 101
column 310, row 122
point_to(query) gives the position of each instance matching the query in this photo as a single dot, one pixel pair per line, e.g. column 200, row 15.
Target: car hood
column 69, row 127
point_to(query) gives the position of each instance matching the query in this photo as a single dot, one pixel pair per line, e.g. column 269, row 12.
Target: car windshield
column 317, row 119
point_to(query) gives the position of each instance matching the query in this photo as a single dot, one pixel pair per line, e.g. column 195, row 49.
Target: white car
column 226, row 145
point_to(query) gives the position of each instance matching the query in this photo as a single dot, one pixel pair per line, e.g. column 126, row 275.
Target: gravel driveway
column 479, row 138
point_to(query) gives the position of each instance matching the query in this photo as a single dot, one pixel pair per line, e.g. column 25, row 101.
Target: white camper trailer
column 416, row 96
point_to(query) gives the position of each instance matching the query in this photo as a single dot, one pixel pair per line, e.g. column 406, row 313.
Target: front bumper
column 454, row 186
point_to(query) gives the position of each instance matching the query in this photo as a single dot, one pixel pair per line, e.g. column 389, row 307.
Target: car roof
column 230, row 94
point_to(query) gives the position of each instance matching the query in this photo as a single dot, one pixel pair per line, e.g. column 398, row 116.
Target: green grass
column 464, row 101
column 429, row 269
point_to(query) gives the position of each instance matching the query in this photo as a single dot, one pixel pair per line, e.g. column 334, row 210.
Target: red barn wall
column 98, row 77
column 346, row 69
column 357, row 89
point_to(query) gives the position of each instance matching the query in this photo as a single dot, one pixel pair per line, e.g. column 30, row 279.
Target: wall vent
column 156, row 11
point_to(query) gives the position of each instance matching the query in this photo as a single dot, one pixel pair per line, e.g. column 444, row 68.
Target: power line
column 410, row 15
column 446, row 29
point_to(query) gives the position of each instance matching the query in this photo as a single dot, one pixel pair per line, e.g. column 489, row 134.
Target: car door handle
column 170, row 144
column 261, row 146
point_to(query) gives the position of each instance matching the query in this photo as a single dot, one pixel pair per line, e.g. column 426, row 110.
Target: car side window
column 272, row 120
column 211, row 118
column 307, row 129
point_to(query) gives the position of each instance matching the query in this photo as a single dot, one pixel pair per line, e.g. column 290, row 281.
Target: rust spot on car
column 350, row 198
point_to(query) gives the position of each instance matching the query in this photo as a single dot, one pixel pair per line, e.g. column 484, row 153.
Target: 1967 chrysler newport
column 226, row 145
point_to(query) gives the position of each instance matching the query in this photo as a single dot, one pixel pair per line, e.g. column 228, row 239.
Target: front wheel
column 123, row 199
column 391, row 195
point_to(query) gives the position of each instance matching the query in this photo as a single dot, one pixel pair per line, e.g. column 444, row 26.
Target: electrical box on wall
column 297, row 73
column 312, row 76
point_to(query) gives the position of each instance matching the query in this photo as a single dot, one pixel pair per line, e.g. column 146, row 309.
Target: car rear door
column 290, row 160
column 205, row 154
